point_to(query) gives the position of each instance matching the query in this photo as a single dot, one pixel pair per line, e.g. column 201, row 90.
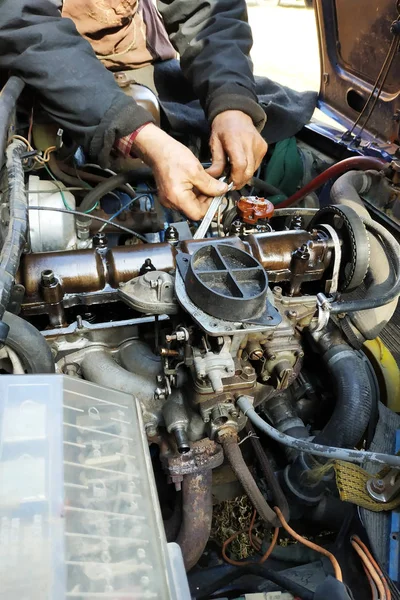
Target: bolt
column 151, row 430
column 277, row 291
column 292, row 314
column 234, row 413
column 378, row 485
column 256, row 354
column 48, row 278
column 160, row 378
column 248, row 370
column 168, row 352
column 271, row 356
column 100, row 240
column 172, row 235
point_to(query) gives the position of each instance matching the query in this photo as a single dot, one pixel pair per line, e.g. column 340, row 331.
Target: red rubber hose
column 348, row 164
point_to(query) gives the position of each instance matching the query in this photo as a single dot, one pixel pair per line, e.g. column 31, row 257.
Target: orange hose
column 265, row 556
column 371, row 569
column 302, row 540
column 271, row 546
column 377, row 568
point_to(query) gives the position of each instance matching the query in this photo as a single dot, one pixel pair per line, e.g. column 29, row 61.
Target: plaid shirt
column 124, row 145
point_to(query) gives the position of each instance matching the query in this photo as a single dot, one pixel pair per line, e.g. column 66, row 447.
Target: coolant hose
column 196, row 516
column 8, row 100
column 17, row 232
column 111, row 184
column 353, row 395
column 308, row 447
column 29, row 344
column 237, row 463
column 378, row 298
column 348, row 164
column 347, row 190
column 99, row 367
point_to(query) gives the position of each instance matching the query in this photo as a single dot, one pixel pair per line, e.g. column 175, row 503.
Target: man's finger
column 193, row 207
column 239, row 161
column 207, row 185
column 218, row 158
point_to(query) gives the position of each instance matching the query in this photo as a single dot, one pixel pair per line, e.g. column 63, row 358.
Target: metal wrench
column 210, row 214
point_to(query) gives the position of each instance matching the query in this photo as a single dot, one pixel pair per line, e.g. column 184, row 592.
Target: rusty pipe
column 196, row 516
column 85, row 271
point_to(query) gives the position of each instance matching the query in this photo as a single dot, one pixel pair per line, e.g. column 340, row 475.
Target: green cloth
column 285, row 169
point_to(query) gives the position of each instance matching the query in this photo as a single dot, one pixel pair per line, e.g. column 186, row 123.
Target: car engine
column 179, row 373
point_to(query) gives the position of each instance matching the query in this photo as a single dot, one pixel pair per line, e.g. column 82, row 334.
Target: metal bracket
column 386, row 488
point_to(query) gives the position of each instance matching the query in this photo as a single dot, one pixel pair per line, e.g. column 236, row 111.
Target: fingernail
column 222, row 187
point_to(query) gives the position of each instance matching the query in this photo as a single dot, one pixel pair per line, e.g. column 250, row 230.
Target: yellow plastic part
column 387, row 371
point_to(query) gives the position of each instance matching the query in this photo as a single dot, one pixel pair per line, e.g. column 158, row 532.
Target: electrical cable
column 336, row 567
column 42, row 160
column 302, row 445
column 265, row 556
column 95, row 217
column 371, row 570
column 384, row 71
column 363, row 546
column 62, row 191
column 348, row 164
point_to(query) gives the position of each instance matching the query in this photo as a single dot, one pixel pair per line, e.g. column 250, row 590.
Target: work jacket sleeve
column 214, row 39
column 72, row 85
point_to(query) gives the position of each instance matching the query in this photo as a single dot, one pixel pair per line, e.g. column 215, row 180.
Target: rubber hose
column 280, row 499
column 68, row 174
column 348, row 164
column 29, row 344
column 17, row 232
column 378, row 299
column 236, row 461
column 346, row 191
column 8, row 100
column 196, row 516
column 99, row 367
column 114, row 182
column 352, row 391
column 308, row 447
column 265, row 187
column 208, row 589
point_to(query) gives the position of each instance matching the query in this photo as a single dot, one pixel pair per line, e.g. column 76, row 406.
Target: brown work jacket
column 125, row 34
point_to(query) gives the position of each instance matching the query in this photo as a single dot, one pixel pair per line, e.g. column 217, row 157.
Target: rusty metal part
column 252, row 209
column 86, row 272
column 280, row 499
column 203, row 455
column 196, row 516
column 233, row 454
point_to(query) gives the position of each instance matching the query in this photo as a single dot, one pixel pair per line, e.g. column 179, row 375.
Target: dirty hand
column 234, row 136
column 182, row 182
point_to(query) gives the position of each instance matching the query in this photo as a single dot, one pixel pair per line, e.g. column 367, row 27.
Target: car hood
column 355, row 37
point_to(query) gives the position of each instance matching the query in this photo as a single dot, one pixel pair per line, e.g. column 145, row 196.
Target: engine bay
column 239, row 369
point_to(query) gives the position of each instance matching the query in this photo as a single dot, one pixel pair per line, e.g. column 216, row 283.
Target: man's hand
column 234, row 136
column 182, row 182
